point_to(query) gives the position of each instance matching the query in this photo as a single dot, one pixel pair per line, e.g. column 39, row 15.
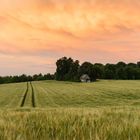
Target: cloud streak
column 44, row 30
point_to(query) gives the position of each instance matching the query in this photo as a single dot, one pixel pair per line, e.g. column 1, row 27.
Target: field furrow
column 28, row 99
column 33, row 95
column 25, row 95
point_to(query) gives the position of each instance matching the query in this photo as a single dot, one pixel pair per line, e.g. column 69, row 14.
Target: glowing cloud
column 37, row 32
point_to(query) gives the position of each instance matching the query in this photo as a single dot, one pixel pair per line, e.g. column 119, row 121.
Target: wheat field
column 70, row 124
column 51, row 110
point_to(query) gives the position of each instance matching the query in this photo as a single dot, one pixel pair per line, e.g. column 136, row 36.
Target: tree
column 110, row 71
column 49, row 76
column 29, row 78
column 99, row 70
column 138, row 64
column 120, row 73
column 137, row 73
column 120, row 70
column 130, row 72
column 132, row 65
column 1, row 80
column 63, row 66
column 72, row 75
column 40, row 77
column 35, row 77
column 22, row 78
column 67, row 69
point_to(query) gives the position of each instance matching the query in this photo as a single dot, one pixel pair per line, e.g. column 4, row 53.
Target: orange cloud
column 95, row 30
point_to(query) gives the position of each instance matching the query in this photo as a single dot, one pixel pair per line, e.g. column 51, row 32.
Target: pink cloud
column 37, row 32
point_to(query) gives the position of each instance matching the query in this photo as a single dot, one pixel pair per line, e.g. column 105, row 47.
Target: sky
column 35, row 33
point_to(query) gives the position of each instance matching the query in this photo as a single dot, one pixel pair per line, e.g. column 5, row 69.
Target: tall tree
column 110, row 71
column 67, row 69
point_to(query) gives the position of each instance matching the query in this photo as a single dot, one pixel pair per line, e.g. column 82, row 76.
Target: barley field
column 51, row 110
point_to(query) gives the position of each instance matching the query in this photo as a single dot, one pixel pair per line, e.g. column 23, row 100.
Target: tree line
column 70, row 70
column 25, row 78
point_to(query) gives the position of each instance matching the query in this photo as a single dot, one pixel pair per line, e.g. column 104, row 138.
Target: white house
column 85, row 78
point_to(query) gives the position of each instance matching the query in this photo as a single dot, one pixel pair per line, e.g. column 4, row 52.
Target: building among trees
column 85, row 78
column 71, row 70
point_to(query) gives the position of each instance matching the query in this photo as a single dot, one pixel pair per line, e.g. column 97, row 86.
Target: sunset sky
column 35, row 33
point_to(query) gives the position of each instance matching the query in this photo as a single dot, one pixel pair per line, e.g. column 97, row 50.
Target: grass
column 67, row 94
column 103, row 93
column 11, row 95
column 71, row 124
column 105, row 110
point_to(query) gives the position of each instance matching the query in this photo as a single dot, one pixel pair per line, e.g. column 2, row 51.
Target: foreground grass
column 70, row 124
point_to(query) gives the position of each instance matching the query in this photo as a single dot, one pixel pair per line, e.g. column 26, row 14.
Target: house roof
column 85, row 76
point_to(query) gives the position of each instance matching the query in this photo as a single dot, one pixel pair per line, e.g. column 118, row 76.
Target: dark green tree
column 110, row 71
column 67, row 69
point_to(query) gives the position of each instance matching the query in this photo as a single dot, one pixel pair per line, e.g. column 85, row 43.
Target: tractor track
column 33, row 95
column 25, row 95
column 29, row 86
